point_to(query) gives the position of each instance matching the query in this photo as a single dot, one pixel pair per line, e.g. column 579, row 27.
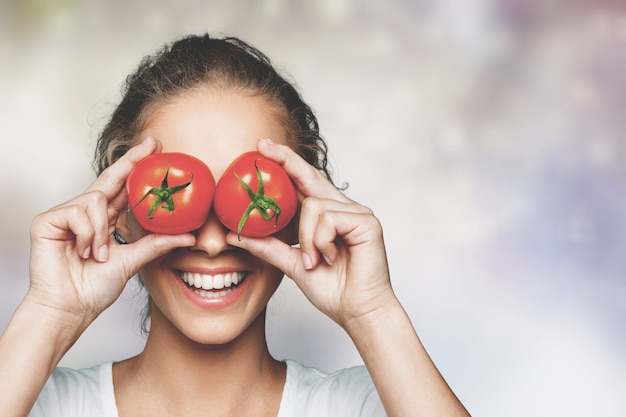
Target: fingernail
column 103, row 253
column 327, row 259
column 87, row 252
column 267, row 140
column 306, row 259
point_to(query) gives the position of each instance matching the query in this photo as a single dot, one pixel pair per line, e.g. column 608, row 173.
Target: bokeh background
column 486, row 135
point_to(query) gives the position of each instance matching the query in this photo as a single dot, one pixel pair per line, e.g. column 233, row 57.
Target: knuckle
column 367, row 210
column 96, row 197
column 310, row 204
column 72, row 210
column 327, row 216
column 374, row 224
column 37, row 221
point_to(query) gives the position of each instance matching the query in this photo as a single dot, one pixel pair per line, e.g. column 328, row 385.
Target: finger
column 65, row 223
column 317, row 233
column 270, row 249
column 113, row 179
column 325, row 236
column 308, row 180
column 92, row 209
column 134, row 255
column 96, row 210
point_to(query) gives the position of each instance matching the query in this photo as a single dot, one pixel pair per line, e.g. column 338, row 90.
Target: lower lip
column 223, row 301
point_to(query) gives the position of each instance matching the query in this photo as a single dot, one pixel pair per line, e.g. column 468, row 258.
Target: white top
column 308, row 392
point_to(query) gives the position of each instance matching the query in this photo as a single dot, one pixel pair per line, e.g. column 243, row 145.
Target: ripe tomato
column 170, row 192
column 255, row 197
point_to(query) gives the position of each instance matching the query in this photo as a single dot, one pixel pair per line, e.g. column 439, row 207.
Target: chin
column 222, row 331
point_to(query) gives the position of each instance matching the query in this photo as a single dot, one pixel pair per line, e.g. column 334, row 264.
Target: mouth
column 212, row 286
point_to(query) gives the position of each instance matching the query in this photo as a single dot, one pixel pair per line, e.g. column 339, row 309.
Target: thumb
column 134, row 255
column 272, row 250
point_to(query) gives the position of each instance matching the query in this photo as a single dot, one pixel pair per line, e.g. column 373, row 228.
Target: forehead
column 214, row 125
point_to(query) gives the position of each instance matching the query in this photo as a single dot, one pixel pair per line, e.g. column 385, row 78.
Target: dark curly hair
column 202, row 60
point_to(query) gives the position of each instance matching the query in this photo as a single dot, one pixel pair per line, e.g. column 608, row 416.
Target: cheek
column 274, row 277
column 269, row 278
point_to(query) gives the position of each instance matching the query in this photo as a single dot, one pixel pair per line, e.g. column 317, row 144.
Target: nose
column 211, row 237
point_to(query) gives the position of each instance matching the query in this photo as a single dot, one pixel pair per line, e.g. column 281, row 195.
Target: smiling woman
column 209, row 287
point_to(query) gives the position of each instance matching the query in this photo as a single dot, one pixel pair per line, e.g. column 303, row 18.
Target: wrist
column 62, row 326
column 374, row 318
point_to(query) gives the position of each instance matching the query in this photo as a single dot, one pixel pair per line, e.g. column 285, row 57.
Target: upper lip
column 196, row 263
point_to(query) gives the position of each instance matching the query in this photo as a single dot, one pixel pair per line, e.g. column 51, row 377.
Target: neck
column 173, row 366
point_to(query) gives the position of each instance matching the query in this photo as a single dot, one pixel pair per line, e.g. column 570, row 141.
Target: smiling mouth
column 212, row 286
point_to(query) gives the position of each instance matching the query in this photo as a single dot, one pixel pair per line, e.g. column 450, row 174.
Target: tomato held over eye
column 170, row 193
column 255, row 197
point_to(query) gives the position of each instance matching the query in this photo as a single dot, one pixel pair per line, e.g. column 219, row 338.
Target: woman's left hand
column 340, row 264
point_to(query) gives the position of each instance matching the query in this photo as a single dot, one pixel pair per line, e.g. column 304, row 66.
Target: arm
column 341, row 267
column 405, row 377
column 76, row 271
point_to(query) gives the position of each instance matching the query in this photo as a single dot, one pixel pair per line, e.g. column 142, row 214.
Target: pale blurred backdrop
column 486, row 135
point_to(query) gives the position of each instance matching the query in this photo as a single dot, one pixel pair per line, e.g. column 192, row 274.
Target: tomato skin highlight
column 233, row 200
column 190, row 190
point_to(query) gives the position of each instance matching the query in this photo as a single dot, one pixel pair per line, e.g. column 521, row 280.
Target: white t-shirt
column 308, row 392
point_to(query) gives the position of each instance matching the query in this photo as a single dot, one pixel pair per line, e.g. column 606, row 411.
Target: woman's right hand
column 76, row 267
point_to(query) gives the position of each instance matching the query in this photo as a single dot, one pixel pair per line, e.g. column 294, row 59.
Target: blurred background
column 484, row 134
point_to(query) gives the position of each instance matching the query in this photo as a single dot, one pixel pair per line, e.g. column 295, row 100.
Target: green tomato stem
column 259, row 201
column 164, row 194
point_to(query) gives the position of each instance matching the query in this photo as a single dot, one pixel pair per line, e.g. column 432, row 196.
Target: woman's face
column 215, row 126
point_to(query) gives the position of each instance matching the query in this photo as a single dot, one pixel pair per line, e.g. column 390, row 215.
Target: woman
column 214, row 99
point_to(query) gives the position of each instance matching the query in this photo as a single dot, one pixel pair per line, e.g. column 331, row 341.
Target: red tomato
column 255, row 197
column 170, row 192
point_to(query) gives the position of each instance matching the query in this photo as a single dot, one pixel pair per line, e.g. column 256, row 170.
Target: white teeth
column 207, row 282
column 212, row 294
column 218, row 282
column 211, row 282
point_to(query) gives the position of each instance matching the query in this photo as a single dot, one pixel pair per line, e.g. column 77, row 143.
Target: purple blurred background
column 484, row 134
